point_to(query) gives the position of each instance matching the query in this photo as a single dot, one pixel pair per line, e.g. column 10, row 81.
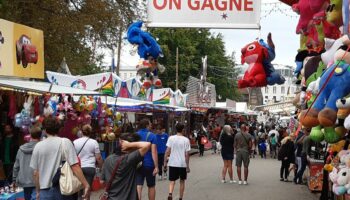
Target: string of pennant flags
column 277, row 7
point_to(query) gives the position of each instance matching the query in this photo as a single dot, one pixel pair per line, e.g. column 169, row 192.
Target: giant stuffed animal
column 272, row 76
column 334, row 12
column 307, row 10
column 149, row 51
column 324, row 110
column 253, row 54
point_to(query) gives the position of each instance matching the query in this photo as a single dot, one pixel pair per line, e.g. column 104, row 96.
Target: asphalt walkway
column 204, row 183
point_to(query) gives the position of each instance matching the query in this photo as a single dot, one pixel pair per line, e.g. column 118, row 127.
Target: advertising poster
column 239, row 14
column 21, row 50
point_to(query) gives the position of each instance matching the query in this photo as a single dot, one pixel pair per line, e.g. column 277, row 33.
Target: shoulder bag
column 79, row 160
column 105, row 195
column 69, row 183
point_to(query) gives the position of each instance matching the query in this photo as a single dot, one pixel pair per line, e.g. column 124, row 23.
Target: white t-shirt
column 179, row 145
column 88, row 153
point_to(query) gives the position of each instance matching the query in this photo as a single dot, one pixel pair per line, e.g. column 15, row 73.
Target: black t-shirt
column 124, row 184
column 226, row 142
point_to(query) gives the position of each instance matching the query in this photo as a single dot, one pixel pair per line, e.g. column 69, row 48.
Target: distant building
column 126, row 72
column 275, row 93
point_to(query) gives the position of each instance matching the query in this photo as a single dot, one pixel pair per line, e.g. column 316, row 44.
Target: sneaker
column 233, row 181
column 286, row 180
column 281, row 179
column 170, row 197
column 245, row 183
column 239, row 182
column 223, row 181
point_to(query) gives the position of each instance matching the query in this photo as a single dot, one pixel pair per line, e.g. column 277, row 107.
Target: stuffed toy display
column 255, row 76
column 149, row 51
column 324, row 110
column 334, row 12
column 272, row 76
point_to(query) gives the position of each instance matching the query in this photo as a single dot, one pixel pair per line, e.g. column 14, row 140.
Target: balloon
column 118, row 116
column 18, row 120
column 119, row 123
column 111, row 136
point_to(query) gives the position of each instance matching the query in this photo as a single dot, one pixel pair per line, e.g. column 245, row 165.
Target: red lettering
column 177, row 4
column 160, row 7
column 237, row 3
column 246, row 3
column 209, row 4
column 222, row 7
column 196, row 5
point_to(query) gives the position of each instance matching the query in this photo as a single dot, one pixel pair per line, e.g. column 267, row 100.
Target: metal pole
column 119, row 50
column 177, row 68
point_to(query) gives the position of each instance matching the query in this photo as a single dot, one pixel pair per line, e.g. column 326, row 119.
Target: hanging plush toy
column 324, row 110
column 149, row 51
column 307, row 10
column 255, row 76
column 272, row 76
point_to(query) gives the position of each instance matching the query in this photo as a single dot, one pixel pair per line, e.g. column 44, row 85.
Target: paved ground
column 204, row 183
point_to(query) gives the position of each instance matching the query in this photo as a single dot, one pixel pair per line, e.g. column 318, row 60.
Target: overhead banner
column 235, row 14
column 21, row 50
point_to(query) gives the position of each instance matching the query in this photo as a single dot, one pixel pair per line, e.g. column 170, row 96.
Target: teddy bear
column 324, row 110
column 149, row 51
column 255, row 76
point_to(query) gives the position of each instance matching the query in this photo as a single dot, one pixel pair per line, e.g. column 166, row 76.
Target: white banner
column 240, row 14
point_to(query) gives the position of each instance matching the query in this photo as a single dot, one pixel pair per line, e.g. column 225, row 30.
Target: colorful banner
column 21, row 50
column 242, row 14
column 93, row 82
column 161, row 96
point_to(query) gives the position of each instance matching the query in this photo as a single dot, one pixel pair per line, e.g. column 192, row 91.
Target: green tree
column 75, row 29
column 193, row 44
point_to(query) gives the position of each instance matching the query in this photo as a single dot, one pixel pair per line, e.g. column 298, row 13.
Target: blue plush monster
column 149, row 50
column 272, row 77
column 324, row 111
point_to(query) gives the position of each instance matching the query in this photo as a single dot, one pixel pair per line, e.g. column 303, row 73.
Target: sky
column 280, row 20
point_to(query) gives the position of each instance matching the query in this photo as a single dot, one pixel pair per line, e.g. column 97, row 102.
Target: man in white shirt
column 178, row 147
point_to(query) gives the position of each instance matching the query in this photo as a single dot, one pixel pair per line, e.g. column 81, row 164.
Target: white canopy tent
column 42, row 87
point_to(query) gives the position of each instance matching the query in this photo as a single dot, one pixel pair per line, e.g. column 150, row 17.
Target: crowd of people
column 251, row 139
column 138, row 156
column 142, row 155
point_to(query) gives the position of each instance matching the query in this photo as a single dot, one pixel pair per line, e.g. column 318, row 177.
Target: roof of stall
column 41, row 87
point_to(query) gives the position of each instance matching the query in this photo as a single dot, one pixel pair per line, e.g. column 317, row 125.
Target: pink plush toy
column 307, row 9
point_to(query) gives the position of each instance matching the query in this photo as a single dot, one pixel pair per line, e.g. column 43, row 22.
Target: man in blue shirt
column 162, row 139
column 149, row 168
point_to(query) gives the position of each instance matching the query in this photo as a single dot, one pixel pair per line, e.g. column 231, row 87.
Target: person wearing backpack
column 273, row 142
column 286, row 156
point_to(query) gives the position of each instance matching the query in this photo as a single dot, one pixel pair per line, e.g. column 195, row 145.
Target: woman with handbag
column 119, row 169
column 88, row 152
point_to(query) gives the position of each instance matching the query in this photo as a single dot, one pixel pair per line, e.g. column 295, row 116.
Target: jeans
column 54, row 193
column 160, row 163
column 301, row 168
column 29, row 193
column 50, row 194
column 284, row 169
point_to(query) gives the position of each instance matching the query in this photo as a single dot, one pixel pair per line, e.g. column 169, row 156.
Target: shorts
column 242, row 156
column 227, row 156
column 145, row 172
column 177, row 172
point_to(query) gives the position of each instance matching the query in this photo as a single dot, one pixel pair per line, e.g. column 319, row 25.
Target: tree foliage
column 194, row 44
column 75, row 29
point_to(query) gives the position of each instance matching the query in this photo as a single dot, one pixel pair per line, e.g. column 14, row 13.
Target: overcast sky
column 281, row 22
